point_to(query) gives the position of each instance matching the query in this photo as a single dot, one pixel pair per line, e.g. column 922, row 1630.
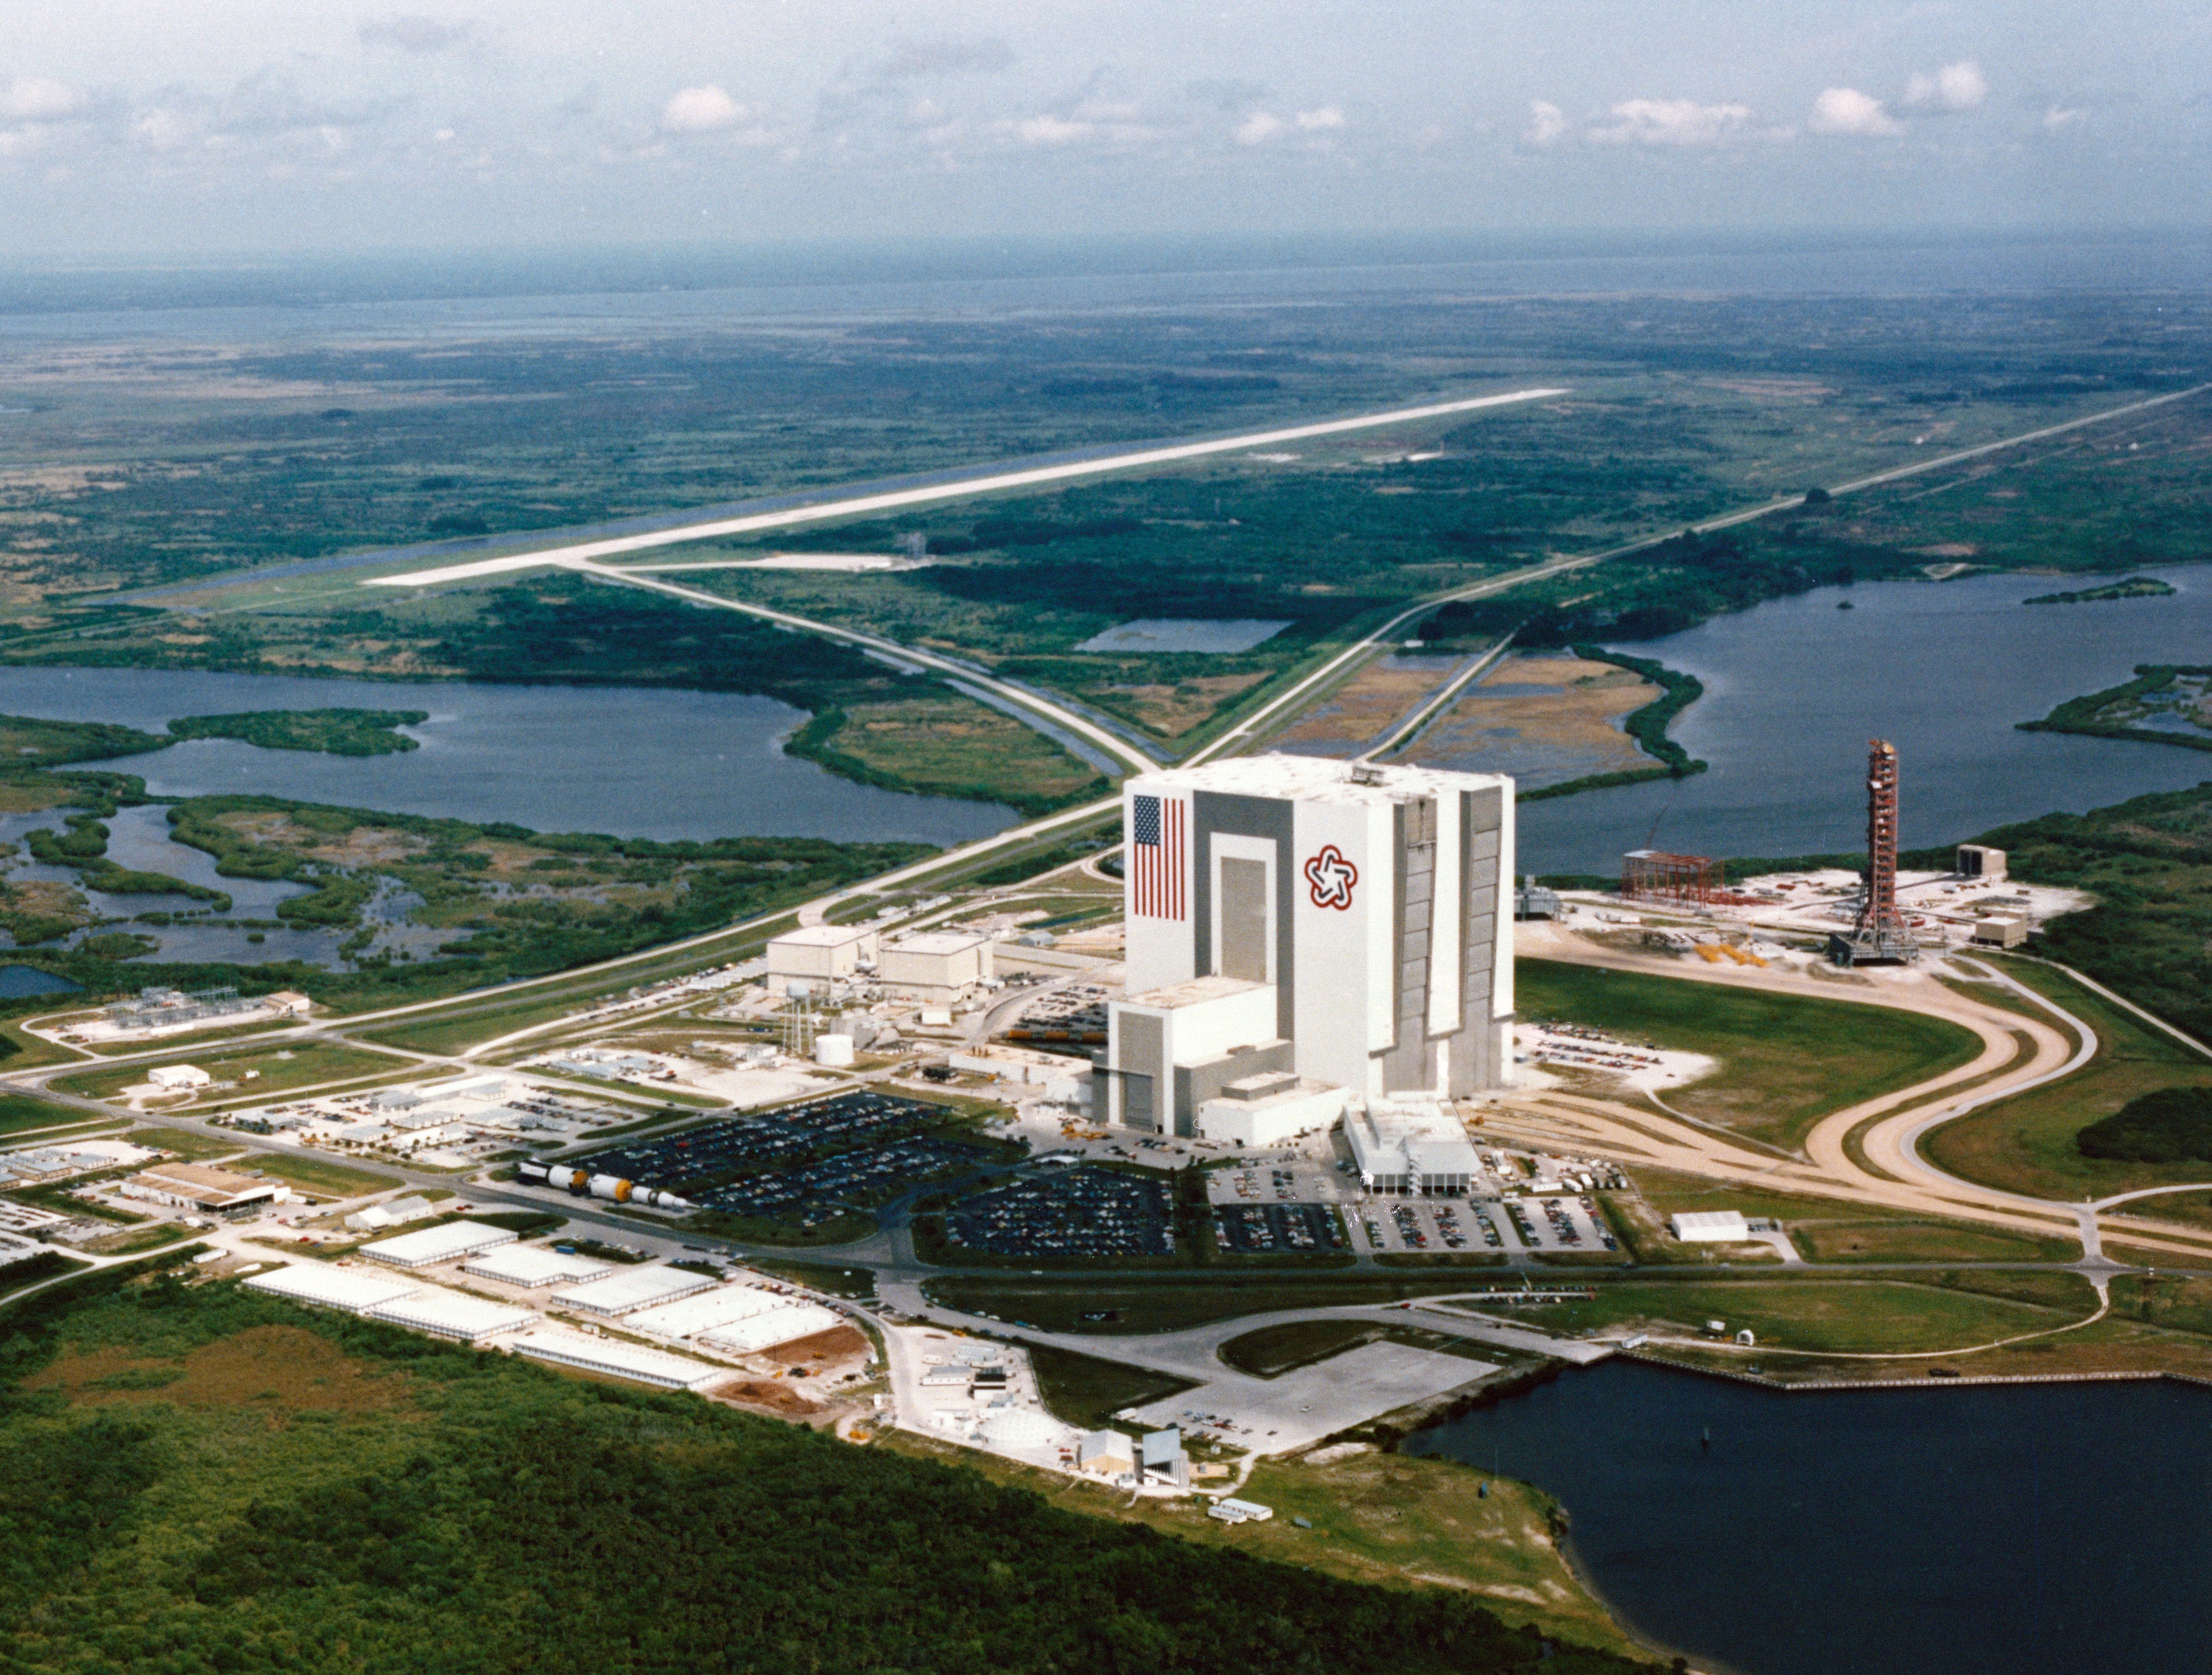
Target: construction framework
column 1670, row 880
column 1880, row 936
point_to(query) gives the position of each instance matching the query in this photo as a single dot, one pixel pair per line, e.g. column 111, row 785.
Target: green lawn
column 1088, row 1392
column 317, row 1175
column 822, row 1276
column 194, row 1147
column 278, row 1070
column 20, row 1113
column 1785, row 1061
column 1864, row 1317
column 2025, row 1144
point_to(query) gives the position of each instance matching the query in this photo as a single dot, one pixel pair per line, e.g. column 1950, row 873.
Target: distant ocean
column 556, row 289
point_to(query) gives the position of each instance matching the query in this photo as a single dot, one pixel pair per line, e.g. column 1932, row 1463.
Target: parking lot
column 1507, row 1226
column 802, row 1163
column 1072, row 1212
column 1294, row 1180
column 1270, row 1228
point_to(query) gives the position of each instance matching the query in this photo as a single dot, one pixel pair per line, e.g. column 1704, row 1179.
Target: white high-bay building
column 1345, row 922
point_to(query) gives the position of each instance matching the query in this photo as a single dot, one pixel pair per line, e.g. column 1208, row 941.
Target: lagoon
column 633, row 762
column 2058, row 1528
column 1796, row 687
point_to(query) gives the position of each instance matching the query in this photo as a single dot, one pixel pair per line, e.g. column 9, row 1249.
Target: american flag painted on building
column 1156, row 852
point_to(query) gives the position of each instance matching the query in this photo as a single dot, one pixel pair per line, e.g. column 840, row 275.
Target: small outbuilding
column 1708, row 1227
column 177, row 1078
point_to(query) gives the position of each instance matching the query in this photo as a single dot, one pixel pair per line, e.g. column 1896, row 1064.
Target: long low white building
column 777, row 1326
column 1708, row 1227
column 323, row 1286
column 448, row 1243
column 621, row 1360
column 703, row 1311
column 532, row 1265
column 455, row 1314
column 632, row 1289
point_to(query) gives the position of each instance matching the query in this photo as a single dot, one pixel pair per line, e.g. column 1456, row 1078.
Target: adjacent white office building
column 1335, row 921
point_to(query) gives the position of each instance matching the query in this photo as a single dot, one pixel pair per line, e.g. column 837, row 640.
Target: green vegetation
column 2113, row 713
column 28, row 741
column 316, row 1175
column 945, row 743
column 1854, row 1317
column 1088, row 1392
column 383, row 1500
column 1274, row 1350
column 22, row 1112
column 1385, row 1517
column 18, row 1276
column 2133, row 586
column 1785, row 1061
column 185, row 1144
column 274, row 1070
column 1647, row 726
column 826, row 1277
column 340, row 732
column 2171, row 1125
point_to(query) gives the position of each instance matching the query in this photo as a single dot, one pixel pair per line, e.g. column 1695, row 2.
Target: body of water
column 632, row 761
column 1796, row 688
column 2064, row 1529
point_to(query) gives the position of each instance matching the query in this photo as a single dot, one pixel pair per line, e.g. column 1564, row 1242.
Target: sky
column 204, row 128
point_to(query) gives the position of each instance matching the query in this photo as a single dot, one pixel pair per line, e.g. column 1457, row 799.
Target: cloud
column 1547, row 124
column 1050, row 129
column 1956, row 86
column 1314, row 121
column 1848, row 111
column 1258, row 127
column 35, row 99
column 409, row 33
column 909, row 60
column 1681, row 122
column 2059, row 117
column 701, row 110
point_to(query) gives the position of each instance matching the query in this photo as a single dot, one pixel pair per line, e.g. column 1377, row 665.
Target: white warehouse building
column 1336, row 921
column 816, row 956
column 936, row 966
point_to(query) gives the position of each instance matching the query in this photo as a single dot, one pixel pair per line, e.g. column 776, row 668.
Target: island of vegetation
column 2168, row 1125
column 2183, row 691
column 2133, row 586
column 340, row 732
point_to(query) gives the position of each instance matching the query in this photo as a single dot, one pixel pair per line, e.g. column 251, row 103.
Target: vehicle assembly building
column 1342, row 924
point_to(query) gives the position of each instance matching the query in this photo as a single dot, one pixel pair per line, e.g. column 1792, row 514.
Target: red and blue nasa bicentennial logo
column 1332, row 878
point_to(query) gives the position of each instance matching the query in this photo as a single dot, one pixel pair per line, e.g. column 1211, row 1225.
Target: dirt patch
column 763, row 1397
column 838, row 1344
column 276, row 1367
column 1374, row 700
column 1534, row 713
column 1172, row 710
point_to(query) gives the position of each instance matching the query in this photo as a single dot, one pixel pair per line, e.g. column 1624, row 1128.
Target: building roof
column 441, row 1244
column 772, row 1326
column 328, row 1287
column 451, row 1314
column 198, row 1178
column 822, row 936
column 1196, row 992
column 1709, row 1219
column 938, row 941
column 621, row 1361
column 633, row 1288
column 1314, row 779
column 533, row 1265
column 704, row 1311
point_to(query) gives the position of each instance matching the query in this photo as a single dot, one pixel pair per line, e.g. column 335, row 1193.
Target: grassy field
column 20, row 1113
column 1785, row 1061
column 1168, row 1305
column 1376, row 1517
column 1274, row 1350
column 1088, row 1392
column 317, row 1175
column 939, row 742
column 822, row 1276
column 1846, row 1240
column 193, row 1147
column 2025, row 1144
column 1855, row 1316
column 276, row 1070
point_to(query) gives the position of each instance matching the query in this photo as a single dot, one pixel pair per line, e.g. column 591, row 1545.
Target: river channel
column 2064, row 1529
column 1794, row 688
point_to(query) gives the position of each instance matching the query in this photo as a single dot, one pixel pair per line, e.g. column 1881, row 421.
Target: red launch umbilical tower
column 1880, row 933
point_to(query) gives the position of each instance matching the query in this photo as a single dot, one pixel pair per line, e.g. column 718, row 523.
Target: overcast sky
column 207, row 126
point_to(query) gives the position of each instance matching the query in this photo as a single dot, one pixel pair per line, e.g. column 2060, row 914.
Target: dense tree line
column 501, row 1517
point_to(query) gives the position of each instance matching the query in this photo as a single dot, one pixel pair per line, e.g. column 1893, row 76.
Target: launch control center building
column 1298, row 925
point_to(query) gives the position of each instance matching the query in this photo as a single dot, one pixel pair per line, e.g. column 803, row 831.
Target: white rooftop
column 766, row 1330
column 1313, row 779
column 938, row 942
column 1196, row 992
column 621, row 1360
column 632, row 1288
column 441, row 1244
column 704, row 1311
column 533, row 1265
column 452, row 1314
column 822, row 936
column 328, row 1287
